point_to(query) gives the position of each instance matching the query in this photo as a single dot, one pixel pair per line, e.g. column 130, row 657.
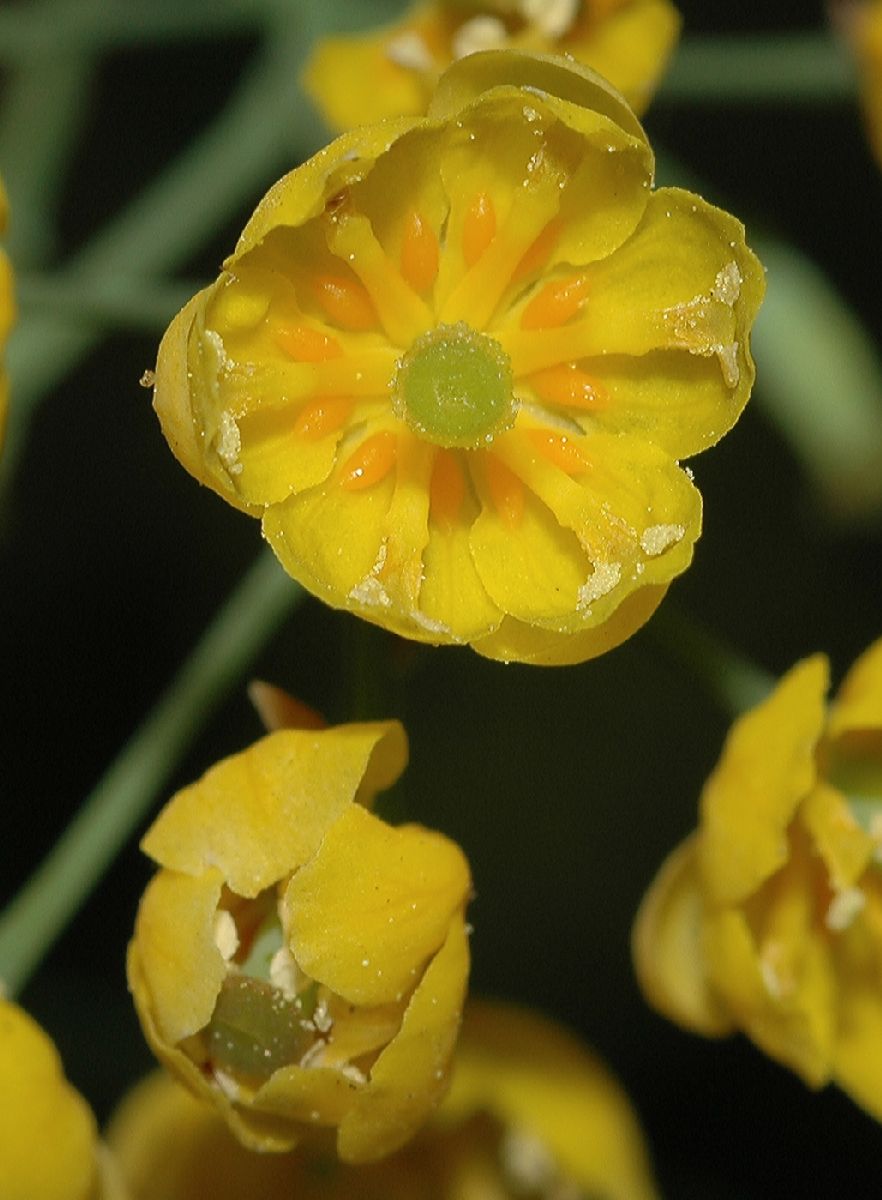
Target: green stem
column 802, row 68
column 54, row 893
column 735, row 682
column 117, row 301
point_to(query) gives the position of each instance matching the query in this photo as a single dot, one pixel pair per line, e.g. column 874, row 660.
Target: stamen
column 419, row 253
column 325, row 415
column 304, row 344
column 537, row 255
column 560, row 450
column 447, row 490
column 371, row 462
column 478, row 228
column 568, row 386
column 556, row 303
column 346, row 302
column 507, row 492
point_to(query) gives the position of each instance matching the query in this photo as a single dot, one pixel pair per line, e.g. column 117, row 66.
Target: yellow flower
column 297, row 961
column 7, row 312
column 454, row 361
column 393, row 71
column 863, row 26
column 531, row 1112
column 769, row 918
column 48, row 1142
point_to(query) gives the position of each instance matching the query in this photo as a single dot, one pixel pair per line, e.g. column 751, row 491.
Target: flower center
column 454, row 387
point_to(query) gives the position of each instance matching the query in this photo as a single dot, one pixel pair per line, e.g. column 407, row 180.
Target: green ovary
column 454, row 387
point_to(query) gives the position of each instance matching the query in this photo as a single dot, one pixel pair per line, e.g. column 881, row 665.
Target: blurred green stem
column 735, row 682
column 115, row 302
column 791, row 68
column 107, row 819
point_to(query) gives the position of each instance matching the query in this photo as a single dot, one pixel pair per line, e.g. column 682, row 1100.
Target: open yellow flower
column 7, row 313
column 454, row 361
column 49, row 1148
column 769, row 918
column 297, row 961
column 393, row 71
column 531, row 1113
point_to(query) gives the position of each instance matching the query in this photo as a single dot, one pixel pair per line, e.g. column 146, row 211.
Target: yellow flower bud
column 454, row 363
column 531, row 1112
column 392, row 71
column 769, row 918
column 297, row 961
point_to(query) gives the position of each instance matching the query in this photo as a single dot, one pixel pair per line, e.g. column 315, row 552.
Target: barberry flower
column 392, row 71
column 297, row 961
column 454, row 361
column 531, row 1113
column 49, row 1147
column 7, row 313
column 769, row 918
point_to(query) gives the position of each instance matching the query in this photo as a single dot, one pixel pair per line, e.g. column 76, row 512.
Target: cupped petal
column 844, row 845
column 411, row 1074
column 368, row 911
column 178, row 968
column 857, row 1064
column 516, row 641
column 766, row 769
column 858, row 704
column 48, row 1138
column 260, row 814
column 538, row 1080
column 666, row 945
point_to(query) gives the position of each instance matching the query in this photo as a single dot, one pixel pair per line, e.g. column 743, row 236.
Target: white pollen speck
column 229, row 443
column 371, row 593
column 365, row 962
column 227, row 1084
column 410, row 51
column 771, row 979
column 655, row 539
column 602, row 581
column 527, row 1161
column 226, row 936
column 478, row 33
column 727, row 285
column 285, row 974
column 843, row 909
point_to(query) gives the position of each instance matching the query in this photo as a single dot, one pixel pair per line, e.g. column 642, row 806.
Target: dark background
column 566, row 788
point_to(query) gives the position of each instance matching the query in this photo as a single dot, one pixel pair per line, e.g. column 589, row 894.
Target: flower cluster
column 297, row 961
column 459, row 405
column 393, row 71
column 769, row 918
column 530, row 1113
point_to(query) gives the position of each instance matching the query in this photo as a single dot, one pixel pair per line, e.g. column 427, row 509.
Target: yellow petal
column 537, row 1079
column 842, row 843
column 858, row 704
column 180, row 969
column 766, row 769
column 410, row 1076
column 452, row 594
column 373, row 904
column 857, row 1065
column 260, row 814
column 47, row 1131
column 307, row 1095
column 667, row 947
column 517, row 642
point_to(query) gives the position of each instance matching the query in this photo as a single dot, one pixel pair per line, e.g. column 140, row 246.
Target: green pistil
column 454, row 387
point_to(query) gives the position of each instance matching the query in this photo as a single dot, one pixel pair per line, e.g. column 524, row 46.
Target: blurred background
column 565, row 787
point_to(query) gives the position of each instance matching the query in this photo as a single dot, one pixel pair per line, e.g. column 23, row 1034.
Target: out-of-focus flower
column 393, row 71
column 531, row 1114
column 297, row 961
column 769, row 918
column 49, row 1148
column 7, row 312
column 454, row 361
column 860, row 22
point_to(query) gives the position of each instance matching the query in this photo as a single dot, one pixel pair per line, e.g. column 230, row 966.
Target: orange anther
column 371, row 462
column 478, row 228
column 346, row 302
column 560, row 450
column 325, row 415
column 307, row 345
column 447, row 490
column 419, row 253
column 506, row 491
column 568, row 386
column 537, row 254
column 555, row 303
